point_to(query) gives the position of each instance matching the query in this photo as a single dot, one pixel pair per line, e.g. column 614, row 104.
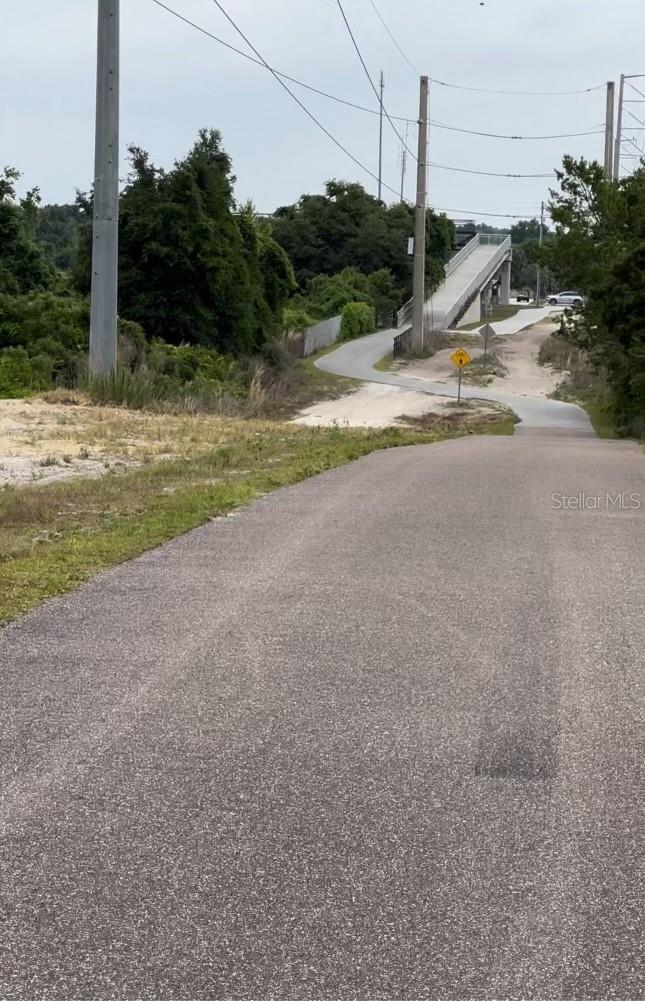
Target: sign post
column 486, row 332
column 460, row 358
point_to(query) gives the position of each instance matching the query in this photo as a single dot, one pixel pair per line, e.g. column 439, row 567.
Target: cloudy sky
column 176, row 80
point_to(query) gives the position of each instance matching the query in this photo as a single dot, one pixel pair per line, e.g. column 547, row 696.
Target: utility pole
column 538, row 288
column 105, row 244
column 609, row 130
column 418, row 290
column 619, row 128
column 404, row 160
column 380, row 140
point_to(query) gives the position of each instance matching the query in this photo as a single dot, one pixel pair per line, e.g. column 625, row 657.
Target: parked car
column 566, row 299
column 524, row 296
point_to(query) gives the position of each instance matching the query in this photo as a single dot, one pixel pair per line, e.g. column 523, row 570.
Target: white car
column 566, row 299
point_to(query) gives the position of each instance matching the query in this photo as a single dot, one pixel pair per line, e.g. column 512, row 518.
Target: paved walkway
column 356, row 359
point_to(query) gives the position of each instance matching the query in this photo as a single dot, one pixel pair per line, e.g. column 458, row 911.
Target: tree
column 193, row 270
column 599, row 247
column 57, row 230
column 347, row 227
column 23, row 267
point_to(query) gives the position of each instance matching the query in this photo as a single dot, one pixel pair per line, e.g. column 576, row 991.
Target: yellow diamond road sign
column 460, row 358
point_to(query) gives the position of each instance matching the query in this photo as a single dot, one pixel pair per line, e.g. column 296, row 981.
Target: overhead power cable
column 480, row 90
column 485, row 173
column 300, row 104
column 262, row 62
column 372, row 84
column 355, row 105
column 518, row 93
column 381, row 19
column 497, row 135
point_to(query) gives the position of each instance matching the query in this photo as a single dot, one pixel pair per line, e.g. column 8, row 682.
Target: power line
column 381, row 19
column 497, row 135
column 300, row 104
column 379, row 98
column 518, row 93
column 353, row 104
column 262, row 62
column 486, row 173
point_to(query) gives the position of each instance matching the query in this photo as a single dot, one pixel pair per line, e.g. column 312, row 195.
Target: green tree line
column 197, row 272
column 599, row 248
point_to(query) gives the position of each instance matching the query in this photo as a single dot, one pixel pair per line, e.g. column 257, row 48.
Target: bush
column 20, row 374
column 357, row 320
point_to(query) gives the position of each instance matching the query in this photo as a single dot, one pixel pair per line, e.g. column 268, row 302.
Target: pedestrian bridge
column 468, row 286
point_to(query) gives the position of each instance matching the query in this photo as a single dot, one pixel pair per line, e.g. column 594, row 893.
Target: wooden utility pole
column 418, row 290
column 105, row 244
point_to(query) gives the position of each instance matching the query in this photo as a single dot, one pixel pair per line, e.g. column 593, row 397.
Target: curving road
column 356, row 359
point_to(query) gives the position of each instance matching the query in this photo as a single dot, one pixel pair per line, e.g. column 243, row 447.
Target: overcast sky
column 175, row 81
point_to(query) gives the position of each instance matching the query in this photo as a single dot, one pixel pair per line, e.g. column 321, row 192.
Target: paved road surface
column 378, row 737
column 356, row 359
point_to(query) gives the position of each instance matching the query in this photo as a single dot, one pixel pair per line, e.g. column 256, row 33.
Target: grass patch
column 467, row 418
column 582, row 384
column 499, row 314
column 57, row 535
column 482, row 371
column 435, row 341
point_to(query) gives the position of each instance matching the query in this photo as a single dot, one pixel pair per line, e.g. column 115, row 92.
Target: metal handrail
column 461, row 255
column 404, row 314
column 490, row 266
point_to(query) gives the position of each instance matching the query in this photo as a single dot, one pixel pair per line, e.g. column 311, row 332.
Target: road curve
column 378, row 737
column 356, row 359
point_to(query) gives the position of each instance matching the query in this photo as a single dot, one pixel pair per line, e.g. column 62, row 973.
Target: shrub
column 19, row 374
column 357, row 320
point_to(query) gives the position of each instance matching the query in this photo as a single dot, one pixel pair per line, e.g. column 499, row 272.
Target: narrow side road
column 378, row 737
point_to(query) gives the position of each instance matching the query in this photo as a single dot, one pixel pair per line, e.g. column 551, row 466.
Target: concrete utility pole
column 419, row 280
column 538, row 288
column 380, row 140
column 619, row 128
column 609, row 130
column 105, row 246
column 404, row 160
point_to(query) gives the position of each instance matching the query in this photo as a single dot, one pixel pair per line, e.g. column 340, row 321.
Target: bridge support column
column 505, row 290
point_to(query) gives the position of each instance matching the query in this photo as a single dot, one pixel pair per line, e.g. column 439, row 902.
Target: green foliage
column 327, row 295
column 50, row 331
column 357, row 320
column 348, row 228
column 600, row 248
column 57, row 230
column 192, row 271
column 20, row 374
column 23, row 266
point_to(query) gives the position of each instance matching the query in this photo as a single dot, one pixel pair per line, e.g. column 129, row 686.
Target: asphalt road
column 377, row 737
column 356, row 359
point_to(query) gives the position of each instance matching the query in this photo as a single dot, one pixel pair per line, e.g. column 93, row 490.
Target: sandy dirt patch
column 44, row 441
column 378, row 405
column 518, row 354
